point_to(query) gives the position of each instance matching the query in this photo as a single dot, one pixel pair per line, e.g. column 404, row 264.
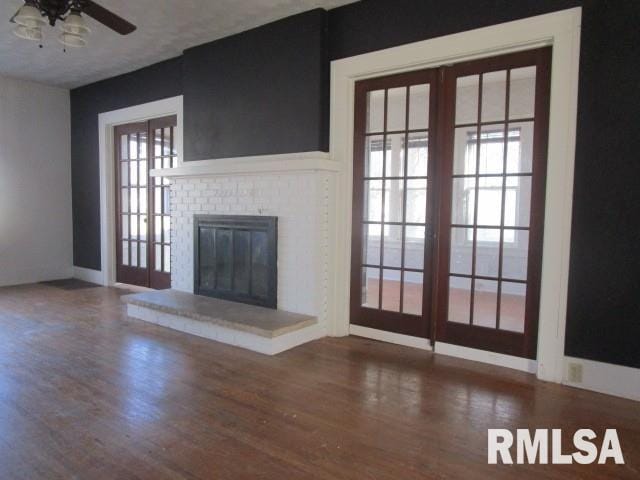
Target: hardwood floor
column 86, row 393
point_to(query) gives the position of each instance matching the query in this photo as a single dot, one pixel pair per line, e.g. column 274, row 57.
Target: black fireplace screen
column 235, row 258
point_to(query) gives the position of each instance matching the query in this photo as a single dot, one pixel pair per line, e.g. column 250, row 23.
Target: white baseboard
column 88, row 275
column 390, row 337
column 605, row 378
column 34, row 275
column 499, row 359
column 238, row 338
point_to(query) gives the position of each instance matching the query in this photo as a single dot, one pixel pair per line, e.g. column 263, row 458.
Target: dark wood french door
column 143, row 218
column 484, row 190
column 393, row 200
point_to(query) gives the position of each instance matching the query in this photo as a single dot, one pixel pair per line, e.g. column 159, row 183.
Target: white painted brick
column 301, row 203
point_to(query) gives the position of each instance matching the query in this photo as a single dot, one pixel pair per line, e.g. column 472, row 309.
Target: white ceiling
column 165, row 29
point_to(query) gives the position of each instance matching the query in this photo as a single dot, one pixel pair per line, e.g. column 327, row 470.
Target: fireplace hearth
column 235, row 258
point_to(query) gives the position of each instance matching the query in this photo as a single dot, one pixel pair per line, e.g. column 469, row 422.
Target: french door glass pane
column 166, row 228
column 167, row 258
column 488, row 252
column 416, row 200
column 464, row 151
column 412, row 293
column 520, row 147
column 491, row 159
column 418, row 154
column 463, row 200
column 143, row 227
column 395, row 155
column 134, row 254
column 133, row 147
column 125, row 253
column 157, row 226
column 396, row 109
column 459, row 299
column 142, row 145
column 166, row 141
column 143, row 255
column 125, row 226
column 391, row 290
column 515, row 254
column 134, row 200
column 371, row 244
column 414, row 247
column 166, row 193
column 467, row 99
column 419, row 107
column 392, row 246
column 143, row 200
column 494, row 87
column 124, row 174
column 373, row 156
column 518, row 201
column 373, row 200
column 394, row 192
column 512, row 306
column 157, row 200
column 134, row 226
column 375, row 111
column 143, row 172
column 158, row 258
column 124, row 147
column 523, row 90
column 489, row 201
column 485, row 303
column 124, row 200
column 461, row 250
column 157, row 143
column 133, row 173
column 370, row 287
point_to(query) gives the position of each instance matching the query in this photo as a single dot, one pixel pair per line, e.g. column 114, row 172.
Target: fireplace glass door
column 143, row 221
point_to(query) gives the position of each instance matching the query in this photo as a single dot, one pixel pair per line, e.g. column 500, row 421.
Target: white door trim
column 106, row 122
column 560, row 30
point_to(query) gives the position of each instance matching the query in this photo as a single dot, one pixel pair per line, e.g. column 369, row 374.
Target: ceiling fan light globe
column 72, row 40
column 26, row 33
column 74, row 24
column 30, row 17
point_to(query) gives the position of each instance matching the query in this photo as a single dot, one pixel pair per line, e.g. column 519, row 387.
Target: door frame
column 107, row 122
column 561, row 30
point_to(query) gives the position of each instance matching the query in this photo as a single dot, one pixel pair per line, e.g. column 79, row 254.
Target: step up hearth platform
column 260, row 329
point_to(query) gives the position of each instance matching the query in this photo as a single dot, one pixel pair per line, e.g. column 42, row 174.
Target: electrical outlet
column 574, row 375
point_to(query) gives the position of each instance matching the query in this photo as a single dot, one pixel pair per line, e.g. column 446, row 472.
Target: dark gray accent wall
column 603, row 318
column 262, row 91
column 372, row 25
column 162, row 80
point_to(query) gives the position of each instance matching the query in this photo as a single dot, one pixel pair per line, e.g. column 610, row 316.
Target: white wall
column 35, row 183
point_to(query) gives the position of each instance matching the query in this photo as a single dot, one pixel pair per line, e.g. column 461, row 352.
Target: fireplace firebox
column 236, row 257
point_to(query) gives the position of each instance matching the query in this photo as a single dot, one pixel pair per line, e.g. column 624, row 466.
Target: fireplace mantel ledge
column 263, row 164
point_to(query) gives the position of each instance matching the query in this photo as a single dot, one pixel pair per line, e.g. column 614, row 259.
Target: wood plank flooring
column 86, row 393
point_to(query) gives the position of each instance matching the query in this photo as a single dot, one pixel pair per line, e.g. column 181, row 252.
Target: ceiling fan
column 35, row 13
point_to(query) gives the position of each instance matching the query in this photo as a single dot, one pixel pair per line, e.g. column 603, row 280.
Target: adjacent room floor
column 87, row 393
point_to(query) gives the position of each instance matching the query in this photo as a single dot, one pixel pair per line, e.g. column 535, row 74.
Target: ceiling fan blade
column 13, row 19
column 107, row 18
